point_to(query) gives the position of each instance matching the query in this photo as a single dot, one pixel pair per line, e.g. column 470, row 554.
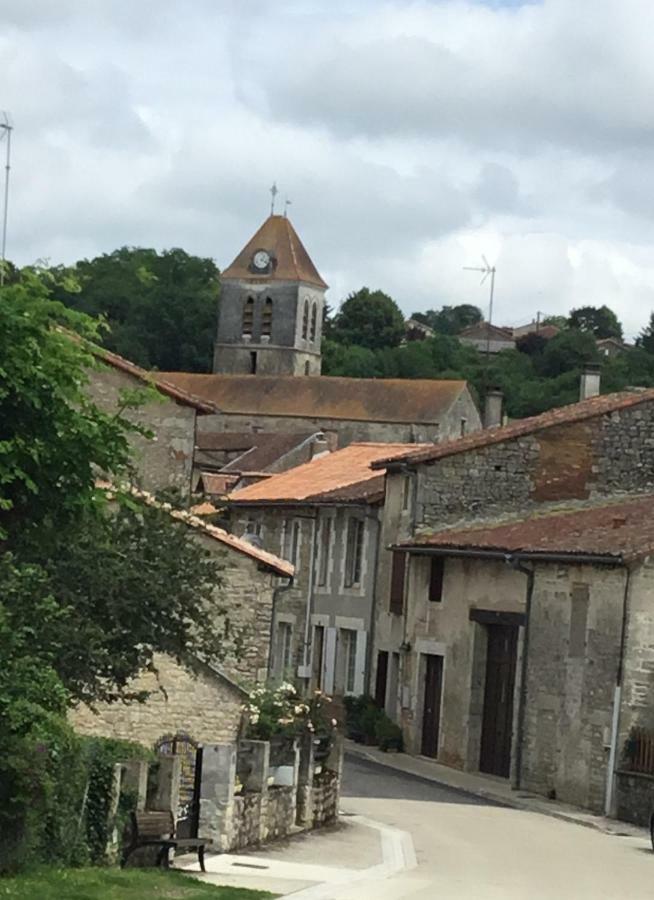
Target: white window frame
column 353, row 568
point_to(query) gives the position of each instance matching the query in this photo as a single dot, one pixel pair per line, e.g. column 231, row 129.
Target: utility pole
column 487, row 270
column 5, row 132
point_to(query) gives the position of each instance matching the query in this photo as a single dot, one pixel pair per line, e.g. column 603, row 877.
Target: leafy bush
column 282, row 711
column 101, row 755
column 366, row 722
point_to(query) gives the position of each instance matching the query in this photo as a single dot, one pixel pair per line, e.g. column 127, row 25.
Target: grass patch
column 114, row 884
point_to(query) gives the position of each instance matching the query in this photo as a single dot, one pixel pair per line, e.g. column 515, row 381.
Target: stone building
column 487, row 338
column 165, row 461
column 324, row 517
column 345, row 410
column 271, row 307
column 530, row 651
column 592, row 452
column 206, row 704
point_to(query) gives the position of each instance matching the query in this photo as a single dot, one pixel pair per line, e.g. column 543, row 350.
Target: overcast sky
column 410, row 137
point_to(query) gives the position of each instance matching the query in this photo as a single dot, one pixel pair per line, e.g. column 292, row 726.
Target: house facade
column 441, row 616
column 324, row 517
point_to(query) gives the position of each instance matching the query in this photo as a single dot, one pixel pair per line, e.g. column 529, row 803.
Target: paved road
column 468, row 849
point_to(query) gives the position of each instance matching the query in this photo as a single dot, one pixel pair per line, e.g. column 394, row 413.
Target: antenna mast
column 486, row 270
column 5, row 131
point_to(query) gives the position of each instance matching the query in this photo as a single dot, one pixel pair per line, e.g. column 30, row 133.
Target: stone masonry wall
column 573, row 659
column 573, row 461
column 205, row 707
column 166, row 461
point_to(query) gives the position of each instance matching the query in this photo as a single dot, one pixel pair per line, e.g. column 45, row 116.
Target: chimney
column 319, row 446
column 493, row 408
column 590, row 381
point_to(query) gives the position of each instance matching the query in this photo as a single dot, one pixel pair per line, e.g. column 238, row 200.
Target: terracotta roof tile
column 215, row 483
column 622, row 528
column 176, row 392
column 324, row 397
column 275, row 563
column 562, row 415
column 344, row 476
column 291, row 260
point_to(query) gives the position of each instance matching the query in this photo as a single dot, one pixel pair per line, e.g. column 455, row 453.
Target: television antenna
column 5, row 134
column 487, row 271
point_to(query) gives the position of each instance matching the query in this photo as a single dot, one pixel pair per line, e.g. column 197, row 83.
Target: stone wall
column 166, row 461
column 325, row 798
column 205, row 707
column 573, row 659
column 280, row 812
column 575, row 461
column 247, row 817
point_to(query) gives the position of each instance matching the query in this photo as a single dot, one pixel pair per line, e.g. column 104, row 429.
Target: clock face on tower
column 261, row 259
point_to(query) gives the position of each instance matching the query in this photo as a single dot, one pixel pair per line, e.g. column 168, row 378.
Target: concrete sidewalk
column 496, row 789
column 312, row 865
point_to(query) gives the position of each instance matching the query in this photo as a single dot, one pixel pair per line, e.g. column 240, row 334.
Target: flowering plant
column 281, row 710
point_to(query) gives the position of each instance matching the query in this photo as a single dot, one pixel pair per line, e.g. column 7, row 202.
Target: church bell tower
column 271, row 307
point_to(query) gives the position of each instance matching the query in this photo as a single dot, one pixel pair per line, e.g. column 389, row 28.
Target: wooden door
column 431, row 716
column 381, row 679
column 497, row 721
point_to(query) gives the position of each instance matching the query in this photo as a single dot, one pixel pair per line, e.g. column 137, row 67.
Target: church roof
column 324, row 397
column 291, row 260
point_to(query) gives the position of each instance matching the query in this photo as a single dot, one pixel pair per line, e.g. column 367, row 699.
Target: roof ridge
column 282, row 566
column 579, row 411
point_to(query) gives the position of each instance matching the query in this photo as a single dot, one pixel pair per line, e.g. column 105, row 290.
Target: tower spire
column 273, row 195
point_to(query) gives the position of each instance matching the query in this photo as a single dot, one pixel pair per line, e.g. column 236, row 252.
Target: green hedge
column 55, row 796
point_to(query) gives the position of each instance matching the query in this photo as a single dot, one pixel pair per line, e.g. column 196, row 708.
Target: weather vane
column 273, row 194
column 287, row 203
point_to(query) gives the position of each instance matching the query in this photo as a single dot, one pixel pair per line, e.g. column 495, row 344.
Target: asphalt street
column 469, row 848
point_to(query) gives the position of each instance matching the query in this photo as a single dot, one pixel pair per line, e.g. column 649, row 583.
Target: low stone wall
column 326, row 791
column 280, row 812
column 247, row 816
column 634, row 797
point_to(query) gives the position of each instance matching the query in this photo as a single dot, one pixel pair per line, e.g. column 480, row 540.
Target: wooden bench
column 157, row 829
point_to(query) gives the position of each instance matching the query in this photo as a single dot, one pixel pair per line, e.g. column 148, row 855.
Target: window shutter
column 360, row 663
column 397, row 582
column 330, row 660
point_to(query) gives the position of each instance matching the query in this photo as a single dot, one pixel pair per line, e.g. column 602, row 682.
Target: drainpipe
column 377, row 525
column 277, row 592
column 306, row 659
column 617, row 698
column 513, row 561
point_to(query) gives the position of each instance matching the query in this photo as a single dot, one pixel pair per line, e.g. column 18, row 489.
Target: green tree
column 121, row 585
column 450, row 319
column 600, row 321
column 160, row 307
column 369, row 319
column 645, row 339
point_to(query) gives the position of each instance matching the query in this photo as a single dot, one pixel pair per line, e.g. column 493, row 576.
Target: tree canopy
column 450, row 319
column 369, row 319
column 600, row 321
column 100, row 591
column 161, row 308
